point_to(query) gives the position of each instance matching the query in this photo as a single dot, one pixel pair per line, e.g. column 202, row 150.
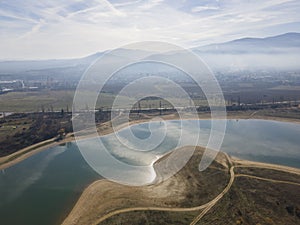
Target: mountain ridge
column 274, row 44
column 274, row 50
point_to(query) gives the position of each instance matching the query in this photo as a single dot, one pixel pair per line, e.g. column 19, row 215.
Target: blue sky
column 31, row 29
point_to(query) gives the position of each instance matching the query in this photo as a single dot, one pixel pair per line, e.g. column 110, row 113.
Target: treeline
column 40, row 127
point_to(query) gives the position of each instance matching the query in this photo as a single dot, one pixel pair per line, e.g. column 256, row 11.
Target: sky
column 54, row 29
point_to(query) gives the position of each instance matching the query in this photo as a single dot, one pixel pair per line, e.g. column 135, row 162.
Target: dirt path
column 249, row 164
column 150, row 209
column 267, row 179
column 206, row 206
column 215, row 200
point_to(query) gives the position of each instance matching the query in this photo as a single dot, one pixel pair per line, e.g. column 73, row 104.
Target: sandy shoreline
column 106, row 128
column 246, row 163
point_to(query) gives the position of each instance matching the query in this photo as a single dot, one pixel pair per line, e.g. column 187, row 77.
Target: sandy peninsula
column 189, row 192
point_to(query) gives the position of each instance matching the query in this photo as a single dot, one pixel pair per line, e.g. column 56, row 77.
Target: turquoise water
column 264, row 141
column 43, row 188
column 257, row 140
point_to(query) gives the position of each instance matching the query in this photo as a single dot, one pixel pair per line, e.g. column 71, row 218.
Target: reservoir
column 43, row 188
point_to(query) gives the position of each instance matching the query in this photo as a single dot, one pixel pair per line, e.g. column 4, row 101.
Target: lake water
column 43, row 188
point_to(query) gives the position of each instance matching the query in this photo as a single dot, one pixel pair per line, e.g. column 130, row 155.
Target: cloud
column 74, row 28
column 150, row 4
column 204, row 8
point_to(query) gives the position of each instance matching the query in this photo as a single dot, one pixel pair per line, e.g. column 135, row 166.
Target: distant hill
column 277, row 52
column 276, row 44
